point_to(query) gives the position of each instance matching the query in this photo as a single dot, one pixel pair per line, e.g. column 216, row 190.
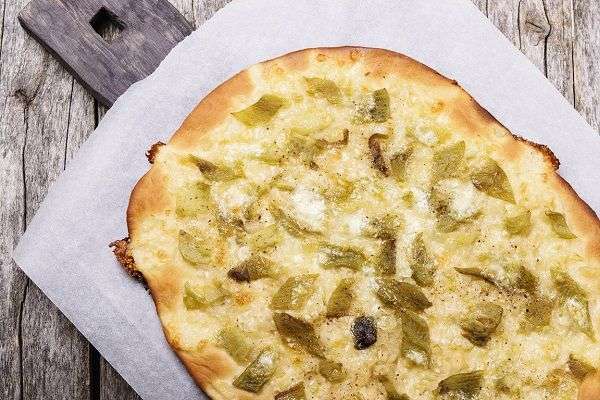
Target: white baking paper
column 65, row 250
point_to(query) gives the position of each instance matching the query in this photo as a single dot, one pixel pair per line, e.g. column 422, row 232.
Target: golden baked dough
column 345, row 223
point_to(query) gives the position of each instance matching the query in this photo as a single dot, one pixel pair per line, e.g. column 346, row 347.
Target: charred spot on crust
column 364, row 331
column 121, row 251
column 151, row 154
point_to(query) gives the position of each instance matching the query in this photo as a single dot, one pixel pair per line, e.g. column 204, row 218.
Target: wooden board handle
column 147, row 31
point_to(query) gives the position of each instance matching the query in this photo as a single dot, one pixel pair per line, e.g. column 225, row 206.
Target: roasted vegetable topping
column 467, row 385
column 196, row 297
column 440, row 203
column 253, row 268
column 341, row 300
column 481, row 321
column 325, row 88
column 415, row 344
column 258, row 373
column 294, row 293
column 265, row 238
column 364, row 330
column 537, row 313
column 378, row 159
column 390, row 390
column 333, row 371
column 476, row 273
column 579, row 368
column 386, row 259
column 290, row 224
column 342, row 257
column 192, row 199
column 339, row 190
column 421, row 263
column 296, row 392
column 215, row 173
column 401, row 295
column 521, row 278
column 385, row 228
column 299, row 332
column 398, row 164
column 375, row 108
column 447, row 161
column 193, row 250
column 236, row 344
column 261, row 112
column 559, row 225
column 574, row 299
column 381, row 110
column 492, row 180
column 519, row 224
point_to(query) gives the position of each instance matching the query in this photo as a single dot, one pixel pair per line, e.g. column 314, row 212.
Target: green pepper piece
column 377, row 158
column 538, row 312
column 492, row 180
column 339, row 190
column 192, row 199
column 521, row 278
column 265, row 238
column 374, row 109
column 384, row 228
column 475, row 273
column 390, row 389
column 519, row 224
column 481, row 321
column 294, row 293
column 258, row 373
column 196, row 297
column 441, row 208
column 421, row 263
column 466, row 385
column 296, row 392
column 290, row 224
column 385, row 263
column 193, row 250
column 559, row 225
column 300, row 332
column 399, row 162
column 332, row 371
column 447, row 161
column 253, row 268
column 415, row 345
column 236, row 344
column 381, row 110
column 574, row 299
column 323, row 144
column 214, row 172
column 319, row 87
column 342, row 257
column 401, row 295
column 579, row 368
column 261, row 112
column 341, row 299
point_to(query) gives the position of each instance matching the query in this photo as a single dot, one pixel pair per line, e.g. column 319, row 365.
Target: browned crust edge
column 208, row 113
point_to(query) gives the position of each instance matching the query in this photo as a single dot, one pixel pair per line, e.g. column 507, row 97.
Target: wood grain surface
column 45, row 115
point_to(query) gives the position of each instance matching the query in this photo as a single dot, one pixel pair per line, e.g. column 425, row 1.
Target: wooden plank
column 51, row 355
column 586, row 55
column 12, row 280
column 150, row 29
column 559, row 59
column 482, row 5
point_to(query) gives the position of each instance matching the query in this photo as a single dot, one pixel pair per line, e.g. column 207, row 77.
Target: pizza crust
column 211, row 367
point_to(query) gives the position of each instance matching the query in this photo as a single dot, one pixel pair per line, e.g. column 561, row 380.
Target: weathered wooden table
column 45, row 116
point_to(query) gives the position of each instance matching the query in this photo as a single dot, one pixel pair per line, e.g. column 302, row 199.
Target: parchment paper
column 65, row 251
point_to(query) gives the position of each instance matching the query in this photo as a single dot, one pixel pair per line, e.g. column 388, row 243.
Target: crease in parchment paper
column 65, row 249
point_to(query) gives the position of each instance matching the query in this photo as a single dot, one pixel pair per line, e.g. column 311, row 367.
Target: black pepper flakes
column 365, row 332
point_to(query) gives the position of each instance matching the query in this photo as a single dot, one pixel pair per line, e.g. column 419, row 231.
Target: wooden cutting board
column 142, row 34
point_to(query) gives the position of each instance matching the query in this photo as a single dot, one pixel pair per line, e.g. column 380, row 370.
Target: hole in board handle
column 107, row 24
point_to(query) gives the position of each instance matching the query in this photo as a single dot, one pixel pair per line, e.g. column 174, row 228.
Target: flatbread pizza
column 346, row 223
